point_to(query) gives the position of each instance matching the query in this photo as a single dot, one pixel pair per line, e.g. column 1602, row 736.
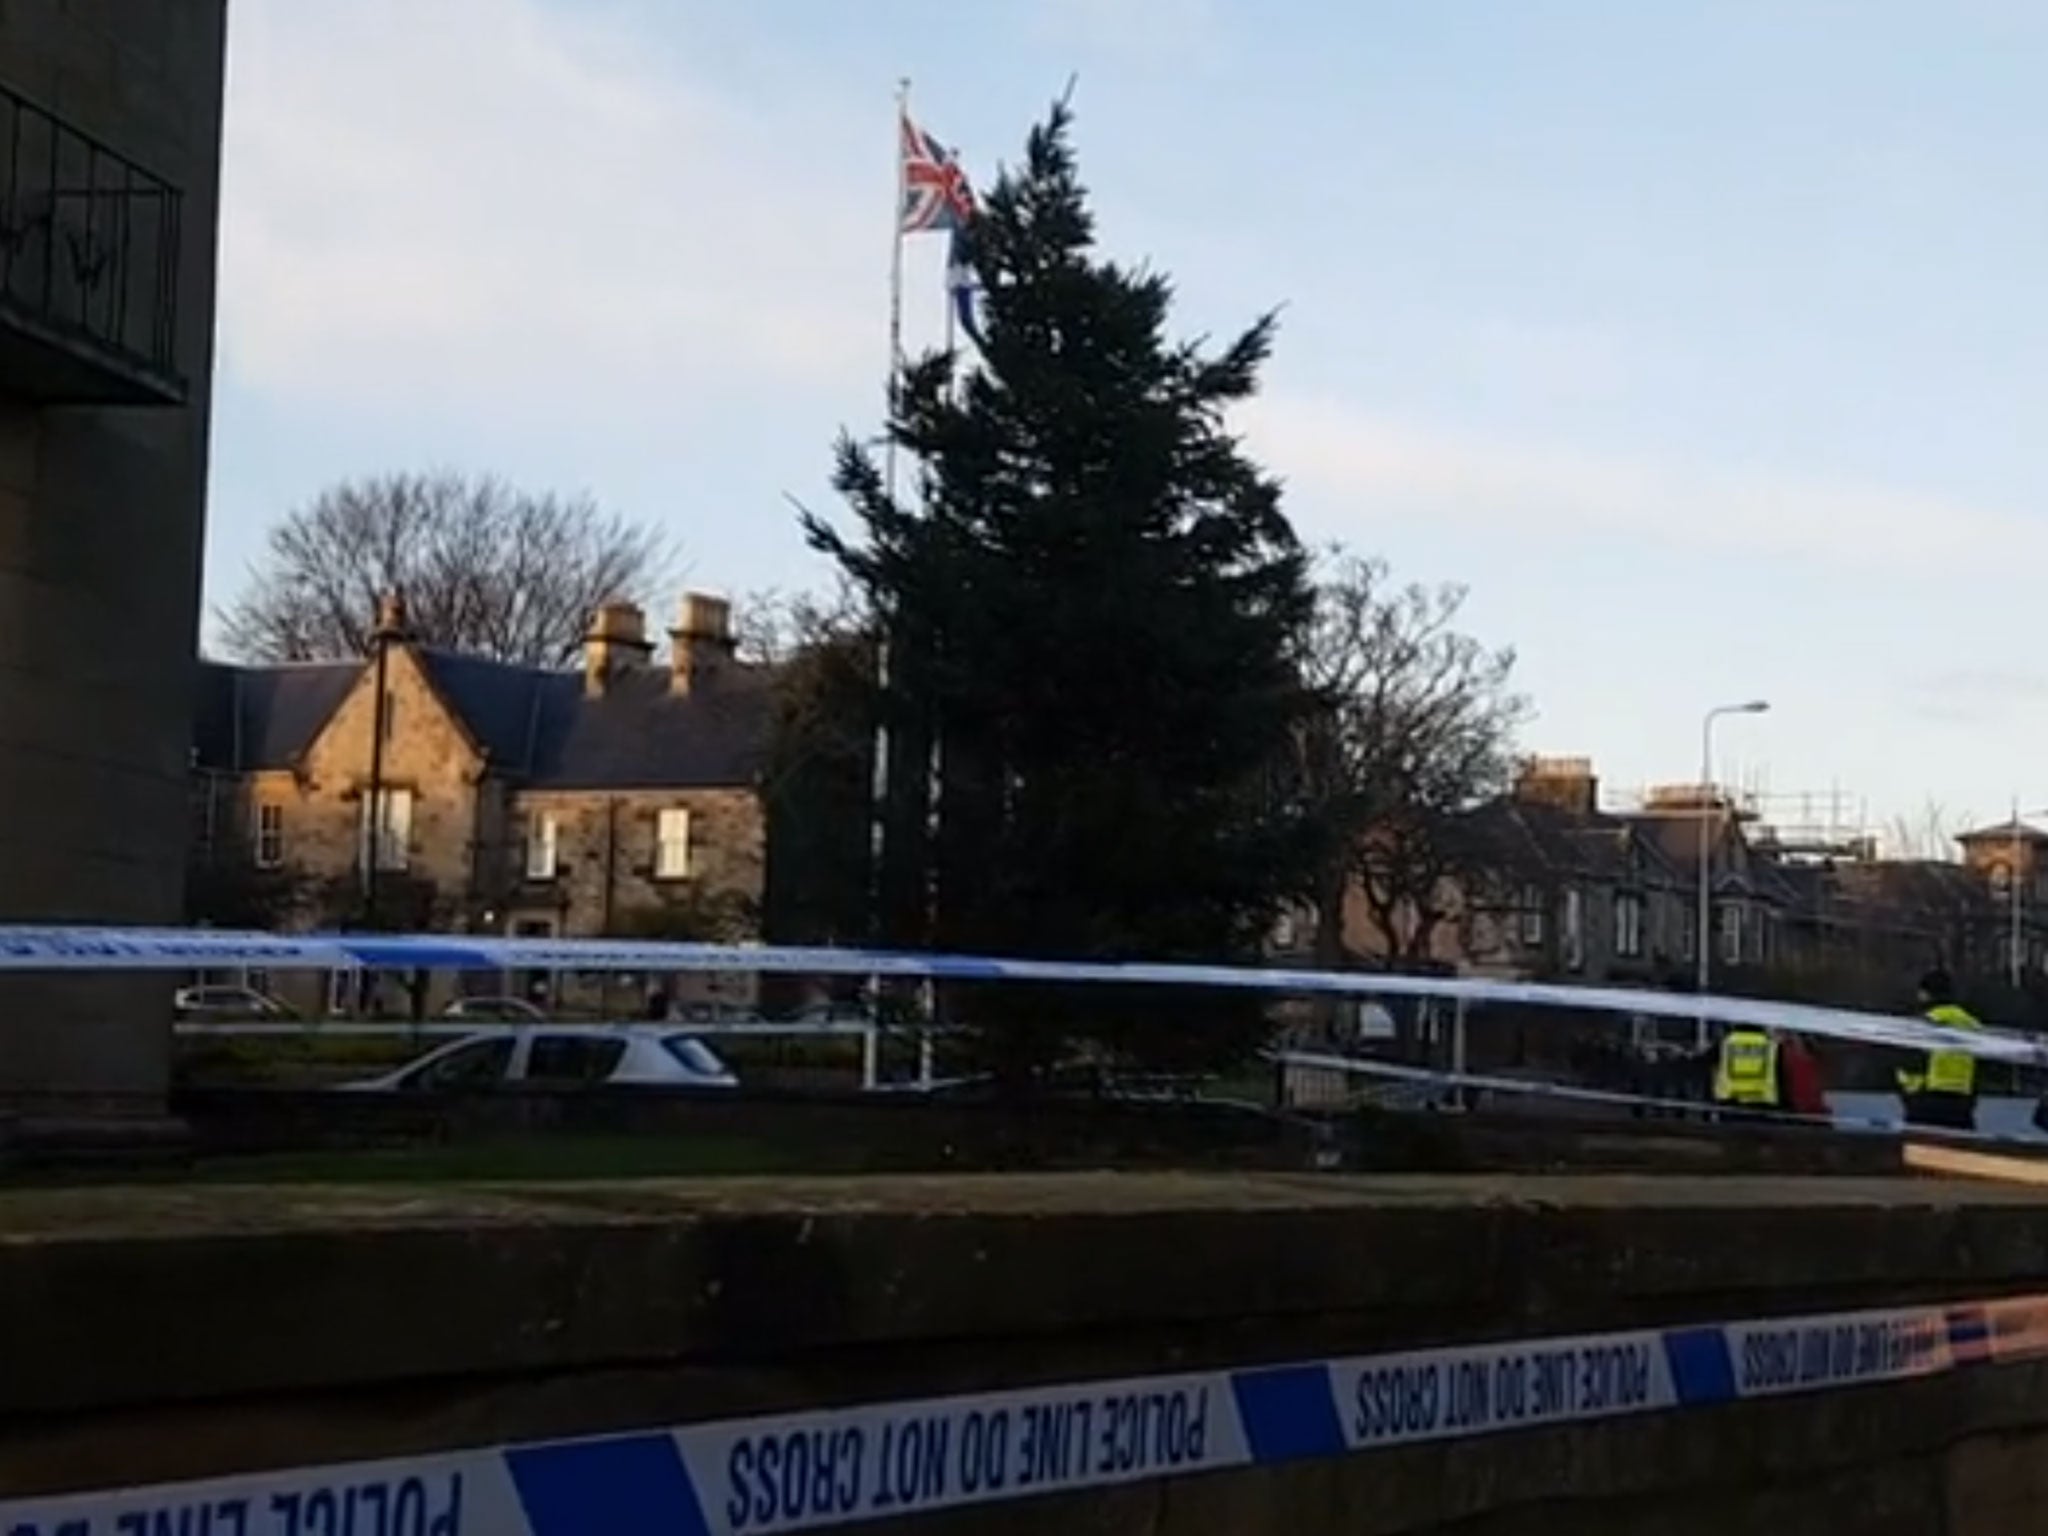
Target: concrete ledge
column 112, row 1297
column 159, row 1334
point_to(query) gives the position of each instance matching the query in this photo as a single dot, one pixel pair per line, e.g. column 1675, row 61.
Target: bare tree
column 1415, row 730
column 484, row 567
column 772, row 627
column 1929, row 834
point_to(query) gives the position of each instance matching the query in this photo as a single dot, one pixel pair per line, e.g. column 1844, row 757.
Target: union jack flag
column 935, row 190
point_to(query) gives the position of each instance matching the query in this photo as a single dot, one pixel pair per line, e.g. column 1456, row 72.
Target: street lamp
column 1703, row 967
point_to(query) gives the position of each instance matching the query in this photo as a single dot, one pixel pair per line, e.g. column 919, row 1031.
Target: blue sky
column 1705, row 341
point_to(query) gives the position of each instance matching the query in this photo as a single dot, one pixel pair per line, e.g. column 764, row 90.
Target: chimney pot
column 701, row 645
column 392, row 623
column 617, row 641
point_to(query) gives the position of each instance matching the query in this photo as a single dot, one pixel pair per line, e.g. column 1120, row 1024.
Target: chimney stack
column 1568, row 783
column 701, row 644
column 617, row 642
column 392, row 624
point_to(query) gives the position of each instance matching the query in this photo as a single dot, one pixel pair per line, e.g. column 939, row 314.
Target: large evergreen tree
column 1092, row 598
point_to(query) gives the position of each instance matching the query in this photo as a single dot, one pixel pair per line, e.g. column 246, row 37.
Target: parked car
column 501, row 1010
column 642, row 1055
column 221, row 1003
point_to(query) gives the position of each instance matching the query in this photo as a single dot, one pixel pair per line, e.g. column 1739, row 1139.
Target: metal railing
column 89, row 242
column 870, row 1035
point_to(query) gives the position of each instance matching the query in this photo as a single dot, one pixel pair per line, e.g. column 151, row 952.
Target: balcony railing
column 89, row 245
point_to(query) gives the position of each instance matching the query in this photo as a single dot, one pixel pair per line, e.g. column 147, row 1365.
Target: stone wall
column 426, row 755
column 420, row 1321
column 606, row 854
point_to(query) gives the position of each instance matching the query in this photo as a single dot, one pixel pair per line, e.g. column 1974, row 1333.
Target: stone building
column 110, row 119
column 1557, row 889
column 1573, row 892
column 622, row 799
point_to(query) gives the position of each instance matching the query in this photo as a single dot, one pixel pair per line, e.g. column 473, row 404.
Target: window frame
column 611, row 1049
column 1729, row 926
column 269, row 839
column 542, row 846
column 379, row 836
column 424, row 1077
column 1630, row 920
column 1571, row 924
column 685, row 867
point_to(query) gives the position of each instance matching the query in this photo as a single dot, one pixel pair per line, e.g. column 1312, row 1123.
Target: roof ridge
column 300, row 664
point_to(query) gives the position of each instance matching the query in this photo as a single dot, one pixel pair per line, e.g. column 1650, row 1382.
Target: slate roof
column 1533, row 833
column 534, row 724
column 1676, row 836
column 2004, row 832
column 250, row 718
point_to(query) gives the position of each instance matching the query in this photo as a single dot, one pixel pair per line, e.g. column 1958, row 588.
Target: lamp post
column 1703, row 959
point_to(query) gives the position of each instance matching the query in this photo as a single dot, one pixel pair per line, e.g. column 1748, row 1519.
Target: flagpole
column 935, row 750
column 878, row 827
column 896, row 286
column 949, row 317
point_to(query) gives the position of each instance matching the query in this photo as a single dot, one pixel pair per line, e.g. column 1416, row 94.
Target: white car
column 642, row 1055
column 227, row 1002
column 507, row 1010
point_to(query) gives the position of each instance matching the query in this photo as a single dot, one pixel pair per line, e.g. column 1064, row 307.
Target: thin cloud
column 1162, row 34
column 503, row 202
column 1344, row 457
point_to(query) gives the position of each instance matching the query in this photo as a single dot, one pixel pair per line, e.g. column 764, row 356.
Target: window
column 694, row 1056
column 672, row 844
column 1531, row 905
column 567, row 1060
column 1688, row 938
column 540, row 847
column 1628, row 925
column 2001, row 878
column 1572, row 929
column 1730, row 915
column 475, row 1064
column 269, row 836
column 205, row 812
column 393, row 821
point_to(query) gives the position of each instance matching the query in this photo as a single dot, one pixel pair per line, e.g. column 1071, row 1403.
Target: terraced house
column 418, row 787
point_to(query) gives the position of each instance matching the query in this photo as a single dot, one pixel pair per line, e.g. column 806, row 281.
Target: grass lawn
column 523, row 1160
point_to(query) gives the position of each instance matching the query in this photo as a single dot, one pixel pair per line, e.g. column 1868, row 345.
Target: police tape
column 25, row 948
column 829, row 1467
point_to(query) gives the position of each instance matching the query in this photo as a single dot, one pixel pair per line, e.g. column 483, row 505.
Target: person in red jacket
column 1800, row 1088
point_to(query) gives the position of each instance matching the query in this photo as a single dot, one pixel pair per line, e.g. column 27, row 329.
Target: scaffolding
column 1794, row 825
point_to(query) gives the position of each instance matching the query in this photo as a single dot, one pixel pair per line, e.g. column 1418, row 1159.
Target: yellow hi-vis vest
column 1747, row 1071
column 1952, row 1071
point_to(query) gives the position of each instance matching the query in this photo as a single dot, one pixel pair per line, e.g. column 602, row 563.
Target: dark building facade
column 110, row 118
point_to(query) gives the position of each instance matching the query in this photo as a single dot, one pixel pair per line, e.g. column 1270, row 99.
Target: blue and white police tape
column 25, row 948
column 830, row 1467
